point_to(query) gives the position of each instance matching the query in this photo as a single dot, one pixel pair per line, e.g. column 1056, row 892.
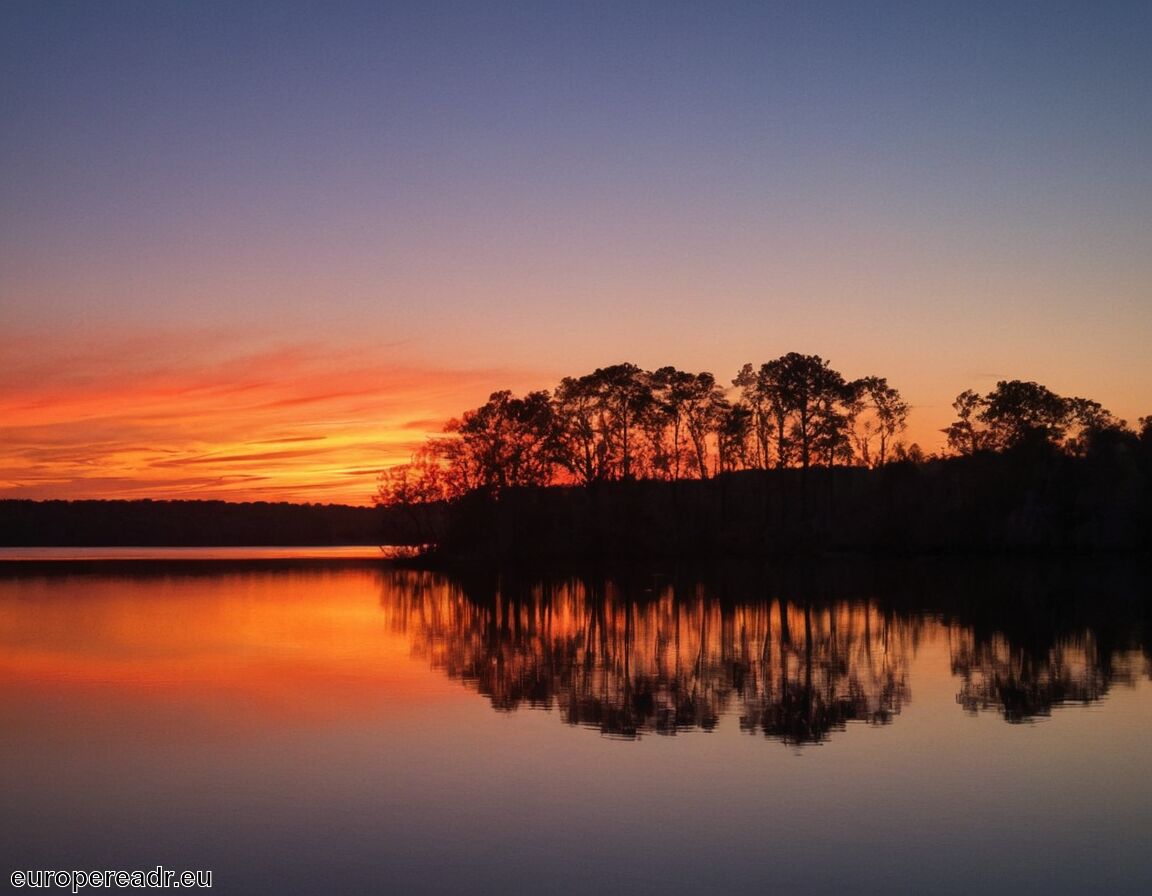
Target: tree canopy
column 1018, row 414
column 623, row 423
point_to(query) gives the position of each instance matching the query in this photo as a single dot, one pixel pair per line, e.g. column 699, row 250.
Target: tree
column 835, row 418
column 581, row 448
column 732, row 438
column 415, row 486
column 810, row 392
column 624, row 395
column 508, row 441
column 908, row 453
column 671, row 392
column 705, row 406
column 423, row 480
column 763, row 390
column 801, row 410
column 879, row 414
column 1018, row 413
column 1094, row 426
column 964, row 437
column 765, row 420
column 1144, row 435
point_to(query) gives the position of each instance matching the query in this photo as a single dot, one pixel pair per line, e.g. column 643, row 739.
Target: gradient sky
column 260, row 249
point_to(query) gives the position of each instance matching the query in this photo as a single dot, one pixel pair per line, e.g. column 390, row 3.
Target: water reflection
column 271, row 723
column 663, row 663
column 630, row 658
column 1022, row 684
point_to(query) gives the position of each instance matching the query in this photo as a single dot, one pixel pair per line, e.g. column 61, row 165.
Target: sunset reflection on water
column 375, row 724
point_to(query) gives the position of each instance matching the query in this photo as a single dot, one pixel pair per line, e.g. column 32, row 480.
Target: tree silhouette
column 624, row 423
column 811, row 394
column 732, row 438
column 705, row 408
column 761, row 393
column 879, row 414
column 624, row 392
column 582, row 450
column 1094, row 425
column 964, row 435
column 508, row 441
column 1018, row 413
column 692, row 405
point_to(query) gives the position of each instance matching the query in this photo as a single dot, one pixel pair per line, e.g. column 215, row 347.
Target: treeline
column 794, row 457
column 190, row 523
column 623, row 423
column 1017, row 414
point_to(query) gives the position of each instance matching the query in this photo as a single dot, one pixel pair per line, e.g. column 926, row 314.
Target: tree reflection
column 792, row 661
column 1023, row 682
column 660, row 659
column 824, row 668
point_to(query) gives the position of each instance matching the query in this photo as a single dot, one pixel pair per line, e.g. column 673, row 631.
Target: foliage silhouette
column 622, row 423
column 803, row 459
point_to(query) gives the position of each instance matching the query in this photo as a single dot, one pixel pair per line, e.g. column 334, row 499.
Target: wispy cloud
column 294, row 422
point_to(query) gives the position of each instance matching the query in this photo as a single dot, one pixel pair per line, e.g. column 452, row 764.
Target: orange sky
column 266, row 259
column 206, row 415
column 149, row 418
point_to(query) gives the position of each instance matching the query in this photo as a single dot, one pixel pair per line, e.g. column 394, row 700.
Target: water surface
column 368, row 729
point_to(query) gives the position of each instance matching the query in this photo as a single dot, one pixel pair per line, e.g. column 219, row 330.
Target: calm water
column 359, row 729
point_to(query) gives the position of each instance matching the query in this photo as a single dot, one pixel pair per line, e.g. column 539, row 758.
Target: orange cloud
column 168, row 419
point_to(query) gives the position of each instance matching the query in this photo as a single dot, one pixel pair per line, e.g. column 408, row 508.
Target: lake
column 339, row 725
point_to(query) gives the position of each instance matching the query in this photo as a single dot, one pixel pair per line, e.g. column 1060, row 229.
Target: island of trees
column 791, row 457
column 794, row 456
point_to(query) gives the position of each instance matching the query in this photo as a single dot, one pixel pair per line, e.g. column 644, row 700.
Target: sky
column 260, row 250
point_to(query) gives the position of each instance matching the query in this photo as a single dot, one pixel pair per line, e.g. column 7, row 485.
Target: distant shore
column 1000, row 503
column 147, row 523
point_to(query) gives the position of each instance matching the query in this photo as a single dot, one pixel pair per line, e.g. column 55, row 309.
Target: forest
column 622, row 423
column 793, row 457
column 186, row 523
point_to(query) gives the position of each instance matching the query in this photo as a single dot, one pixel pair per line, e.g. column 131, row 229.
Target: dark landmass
column 990, row 502
column 191, row 524
column 1006, row 502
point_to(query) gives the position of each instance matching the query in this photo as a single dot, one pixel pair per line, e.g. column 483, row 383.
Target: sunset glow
column 263, row 253
column 296, row 424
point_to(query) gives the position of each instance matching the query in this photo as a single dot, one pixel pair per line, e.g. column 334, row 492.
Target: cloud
column 121, row 418
column 224, row 459
column 425, row 425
